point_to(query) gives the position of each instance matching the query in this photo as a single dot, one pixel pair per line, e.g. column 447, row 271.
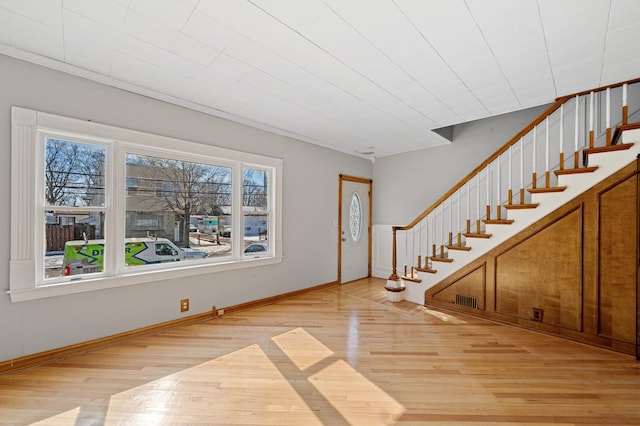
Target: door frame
column 369, row 182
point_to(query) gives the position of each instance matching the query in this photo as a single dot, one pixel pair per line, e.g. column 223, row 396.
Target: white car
column 256, row 248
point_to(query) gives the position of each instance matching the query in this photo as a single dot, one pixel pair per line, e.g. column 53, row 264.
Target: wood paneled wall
column 573, row 274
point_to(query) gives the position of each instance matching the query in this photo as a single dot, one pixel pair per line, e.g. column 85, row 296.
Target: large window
column 114, row 206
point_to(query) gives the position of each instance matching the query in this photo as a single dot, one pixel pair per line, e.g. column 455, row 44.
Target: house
column 405, row 181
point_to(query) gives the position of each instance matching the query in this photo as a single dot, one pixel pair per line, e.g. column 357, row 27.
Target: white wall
column 405, row 185
column 309, row 207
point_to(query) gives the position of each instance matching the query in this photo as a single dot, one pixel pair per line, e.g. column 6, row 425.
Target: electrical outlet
column 220, row 312
column 537, row 314
column 184, row 305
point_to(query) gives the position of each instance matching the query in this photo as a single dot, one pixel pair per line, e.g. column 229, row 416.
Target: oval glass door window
column 355, row 216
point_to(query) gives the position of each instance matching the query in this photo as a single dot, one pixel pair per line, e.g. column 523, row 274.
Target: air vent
column 468, row 301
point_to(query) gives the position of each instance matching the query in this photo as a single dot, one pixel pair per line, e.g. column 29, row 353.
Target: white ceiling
column 358, row 76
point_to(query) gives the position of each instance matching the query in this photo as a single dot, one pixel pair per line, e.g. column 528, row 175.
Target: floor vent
column 468, row 301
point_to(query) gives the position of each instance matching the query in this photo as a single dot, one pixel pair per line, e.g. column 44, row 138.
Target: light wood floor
column 335, row 356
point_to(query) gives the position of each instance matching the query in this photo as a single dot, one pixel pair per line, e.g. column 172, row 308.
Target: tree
column 73, row 173
column 254, row 188
column 185, row 187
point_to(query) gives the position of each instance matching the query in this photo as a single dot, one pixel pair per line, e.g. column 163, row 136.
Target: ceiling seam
column 441, row 57
column 546, row 47
column 397, row 65
column 604, row 47
column 343, row 63
column 506, row 79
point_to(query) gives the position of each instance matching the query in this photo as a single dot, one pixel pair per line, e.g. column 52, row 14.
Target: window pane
column 175, row 211
column 74, row 243
column 255, row 206
column 74, row 174
column 355, row 216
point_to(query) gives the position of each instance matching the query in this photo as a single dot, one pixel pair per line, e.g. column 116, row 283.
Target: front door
column 354, row 245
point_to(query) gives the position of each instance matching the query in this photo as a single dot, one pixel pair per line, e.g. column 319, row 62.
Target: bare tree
column 73, row 173
column 185, row 187
column 254, row 188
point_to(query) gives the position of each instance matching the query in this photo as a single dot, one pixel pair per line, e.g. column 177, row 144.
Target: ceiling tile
column 107, row 12
column 35, row 37
column 85, row 54
column 208, row 31
column 343, row 74
column 170, row 13
column 83, row 29
column 47, row 12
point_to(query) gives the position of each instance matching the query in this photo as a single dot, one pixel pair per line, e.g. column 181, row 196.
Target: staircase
column 481, row 212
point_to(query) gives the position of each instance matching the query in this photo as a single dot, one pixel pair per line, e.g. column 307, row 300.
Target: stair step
column 427, row 270
column 619, row 129
column 454, row 247
column 498, row 221
column 587, row 151
column 408, row 278
column 546, row 190
column 521, row 206
column 472, row 235
column 441, row 259
column 576, row 171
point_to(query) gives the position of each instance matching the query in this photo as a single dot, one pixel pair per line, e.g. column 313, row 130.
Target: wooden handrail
column 559, row 101
column 486, row 162
column 602, row 89
column 538, row 120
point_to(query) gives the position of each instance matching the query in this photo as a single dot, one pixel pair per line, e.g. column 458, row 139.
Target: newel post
column 394, row 258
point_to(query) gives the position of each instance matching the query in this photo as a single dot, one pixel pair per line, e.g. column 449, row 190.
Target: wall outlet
column 220, row 312
column 184, row 305
column 537, row 314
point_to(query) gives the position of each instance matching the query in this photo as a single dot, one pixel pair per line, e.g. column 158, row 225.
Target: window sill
column 101, row 283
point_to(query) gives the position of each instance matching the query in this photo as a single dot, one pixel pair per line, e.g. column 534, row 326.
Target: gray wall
column 407, row 184
column 309, row 206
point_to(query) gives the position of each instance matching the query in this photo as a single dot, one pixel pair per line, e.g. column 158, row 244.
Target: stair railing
column 570, row 125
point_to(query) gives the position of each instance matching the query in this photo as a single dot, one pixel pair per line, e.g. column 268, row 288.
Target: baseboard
column 274, row 299
column 47, row 357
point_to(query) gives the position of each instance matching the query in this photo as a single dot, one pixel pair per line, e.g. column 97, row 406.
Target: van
column 86, row 257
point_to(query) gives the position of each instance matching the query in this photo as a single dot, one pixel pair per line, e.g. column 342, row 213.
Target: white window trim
column 26, row 235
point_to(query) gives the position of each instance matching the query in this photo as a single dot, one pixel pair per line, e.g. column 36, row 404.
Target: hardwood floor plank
column 338, row 355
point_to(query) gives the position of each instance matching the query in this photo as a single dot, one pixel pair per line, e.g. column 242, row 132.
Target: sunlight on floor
column 236, row 386
column 303, row 349
column 216, row 391
column 64, row 419
column 442, row 316
column 354, row 396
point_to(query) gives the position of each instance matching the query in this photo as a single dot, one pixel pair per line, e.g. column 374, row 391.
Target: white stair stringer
column 608, row 163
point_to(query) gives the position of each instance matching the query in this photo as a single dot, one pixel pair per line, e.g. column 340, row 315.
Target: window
column 132, row 187
column 256, row 209
column 112, row 203
column 355, row 216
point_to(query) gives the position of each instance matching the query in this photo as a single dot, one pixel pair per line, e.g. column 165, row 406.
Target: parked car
column 256, row 248
column 193, row 228
column 226, row 231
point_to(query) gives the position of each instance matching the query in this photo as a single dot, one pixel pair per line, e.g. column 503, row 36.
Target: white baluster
column 546, row 145
column 478, row 203
column 625, row 105
column 521, row 169
column 591, row 114
column 561, row 136
column 488, row 190
column 498, row 190
column 576, row 133
column 510, row 170
column 533, row 156
column 608, row 103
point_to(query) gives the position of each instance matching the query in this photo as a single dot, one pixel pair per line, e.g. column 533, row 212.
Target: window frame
column 26, row 280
